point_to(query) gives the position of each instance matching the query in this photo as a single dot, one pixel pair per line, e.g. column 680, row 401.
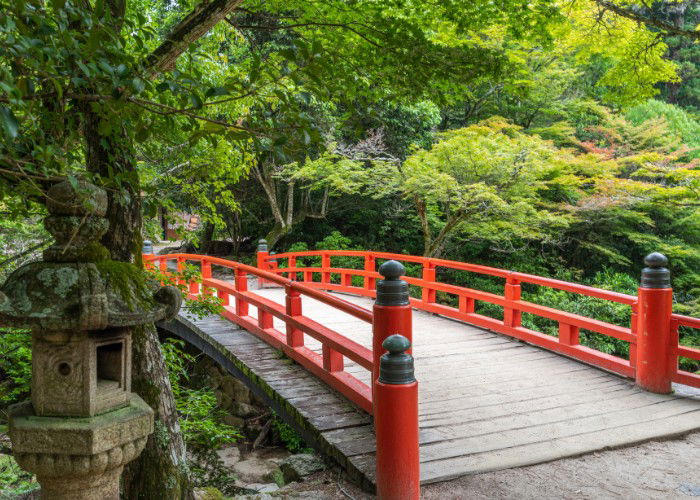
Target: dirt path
column 655, row 470
column 659, row 469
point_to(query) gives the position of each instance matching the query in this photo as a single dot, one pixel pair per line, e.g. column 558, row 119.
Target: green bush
column 15, row 366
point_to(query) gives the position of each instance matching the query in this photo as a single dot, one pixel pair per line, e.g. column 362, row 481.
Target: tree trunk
column 161, row 470
column 207, row 237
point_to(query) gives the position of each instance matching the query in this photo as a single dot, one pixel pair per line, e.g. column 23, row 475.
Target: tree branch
column 205, row 16
column 630, row 13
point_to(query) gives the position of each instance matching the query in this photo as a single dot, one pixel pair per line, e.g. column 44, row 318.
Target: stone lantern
column 83, row 423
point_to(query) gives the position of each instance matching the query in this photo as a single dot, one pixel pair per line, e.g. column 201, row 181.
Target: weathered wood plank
column 486, row 401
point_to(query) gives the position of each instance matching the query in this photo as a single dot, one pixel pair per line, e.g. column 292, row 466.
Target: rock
column 254, row 470
column 243, row 410
column 297, row 467
column 234, row 421
column 263, row 488
column 229, row 456
column 209, row 493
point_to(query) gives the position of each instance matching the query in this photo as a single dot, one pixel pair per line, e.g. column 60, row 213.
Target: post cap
column 147, row 247
column 656, row 274
column 392, row 291
column 262, row 245
column 396, row 366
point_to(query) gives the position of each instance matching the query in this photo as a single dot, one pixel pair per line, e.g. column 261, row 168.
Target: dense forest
column 555, row 138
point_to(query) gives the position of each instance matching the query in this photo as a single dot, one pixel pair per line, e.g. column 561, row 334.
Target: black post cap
column 262, row 245
column 656, row 274
column 396, row 366
column 392, row 291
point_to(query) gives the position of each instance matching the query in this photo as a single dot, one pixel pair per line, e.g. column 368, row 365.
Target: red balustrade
column 653, row 369
column 329, row 365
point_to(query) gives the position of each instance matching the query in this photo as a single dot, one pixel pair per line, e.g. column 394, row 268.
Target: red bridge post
column 392, row 310
column 655, row 360
column 395, row 393
column 262, row 255
column 396, row 423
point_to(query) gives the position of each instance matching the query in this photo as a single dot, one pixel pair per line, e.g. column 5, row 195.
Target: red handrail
column 570, row 324
column 329, row 365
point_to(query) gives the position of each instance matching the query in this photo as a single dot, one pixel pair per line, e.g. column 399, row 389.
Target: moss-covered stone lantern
column 83, row 423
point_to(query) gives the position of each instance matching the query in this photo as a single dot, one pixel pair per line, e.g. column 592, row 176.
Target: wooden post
column 428, row 294
column 512, row 317
column 262, row 255
column 295, row 337
column 655, row 354
column 396, row 423
column 325, row 264
column 370, row 266
column 241, row 286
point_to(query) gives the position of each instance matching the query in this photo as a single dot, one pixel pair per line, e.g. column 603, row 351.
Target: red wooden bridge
column 493, row 393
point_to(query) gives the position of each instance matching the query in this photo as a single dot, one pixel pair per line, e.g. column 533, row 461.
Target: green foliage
column 201, row 421
column 679, row 122
column 288, row 436
column 202, row 305
column 14, row 482
column 15, row 366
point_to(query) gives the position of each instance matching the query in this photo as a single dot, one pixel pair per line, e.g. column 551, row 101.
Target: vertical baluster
column 292, row 264
column 325, row 264
column 241, row 286
column 512, row 317
column 206, row 274
column 346, row 279
column 568, row 334
column 428, row 294
column 223, row 296
column 332, row 360
column 264, row 319
column 466, row 304
column 180, row 268
column 295, row 337
column 370, row 266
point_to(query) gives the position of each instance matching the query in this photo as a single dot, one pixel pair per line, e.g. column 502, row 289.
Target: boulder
column 297, row 467
column 243, row 410
column 254, row 470
column 234, row 421
column 263, row 488
column 229, row 456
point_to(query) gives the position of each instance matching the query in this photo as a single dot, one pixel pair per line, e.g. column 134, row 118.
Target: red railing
column 569, row 324
column 329, row 365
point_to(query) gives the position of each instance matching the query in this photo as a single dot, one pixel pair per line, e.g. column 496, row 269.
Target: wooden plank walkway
column 487, row 402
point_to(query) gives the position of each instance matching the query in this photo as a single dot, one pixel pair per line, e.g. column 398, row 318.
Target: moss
column 129, row 282
column 93, row 252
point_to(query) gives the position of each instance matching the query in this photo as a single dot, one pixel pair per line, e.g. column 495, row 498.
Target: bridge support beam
column 655, row 355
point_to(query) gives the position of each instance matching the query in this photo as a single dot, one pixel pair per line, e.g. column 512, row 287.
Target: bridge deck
column 486, row 402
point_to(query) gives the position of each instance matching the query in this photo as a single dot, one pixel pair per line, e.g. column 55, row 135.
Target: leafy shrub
column 288, row 436
column 200, row 420
column 15, row 366
column 679, row 121
column 14, row 482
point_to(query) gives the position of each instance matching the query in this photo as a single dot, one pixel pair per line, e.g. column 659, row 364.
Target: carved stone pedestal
column 80, row 458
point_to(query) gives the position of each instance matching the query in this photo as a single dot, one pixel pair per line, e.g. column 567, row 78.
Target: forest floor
column 654, row 470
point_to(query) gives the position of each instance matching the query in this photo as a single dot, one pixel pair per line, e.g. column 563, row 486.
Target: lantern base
column 79, row 458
